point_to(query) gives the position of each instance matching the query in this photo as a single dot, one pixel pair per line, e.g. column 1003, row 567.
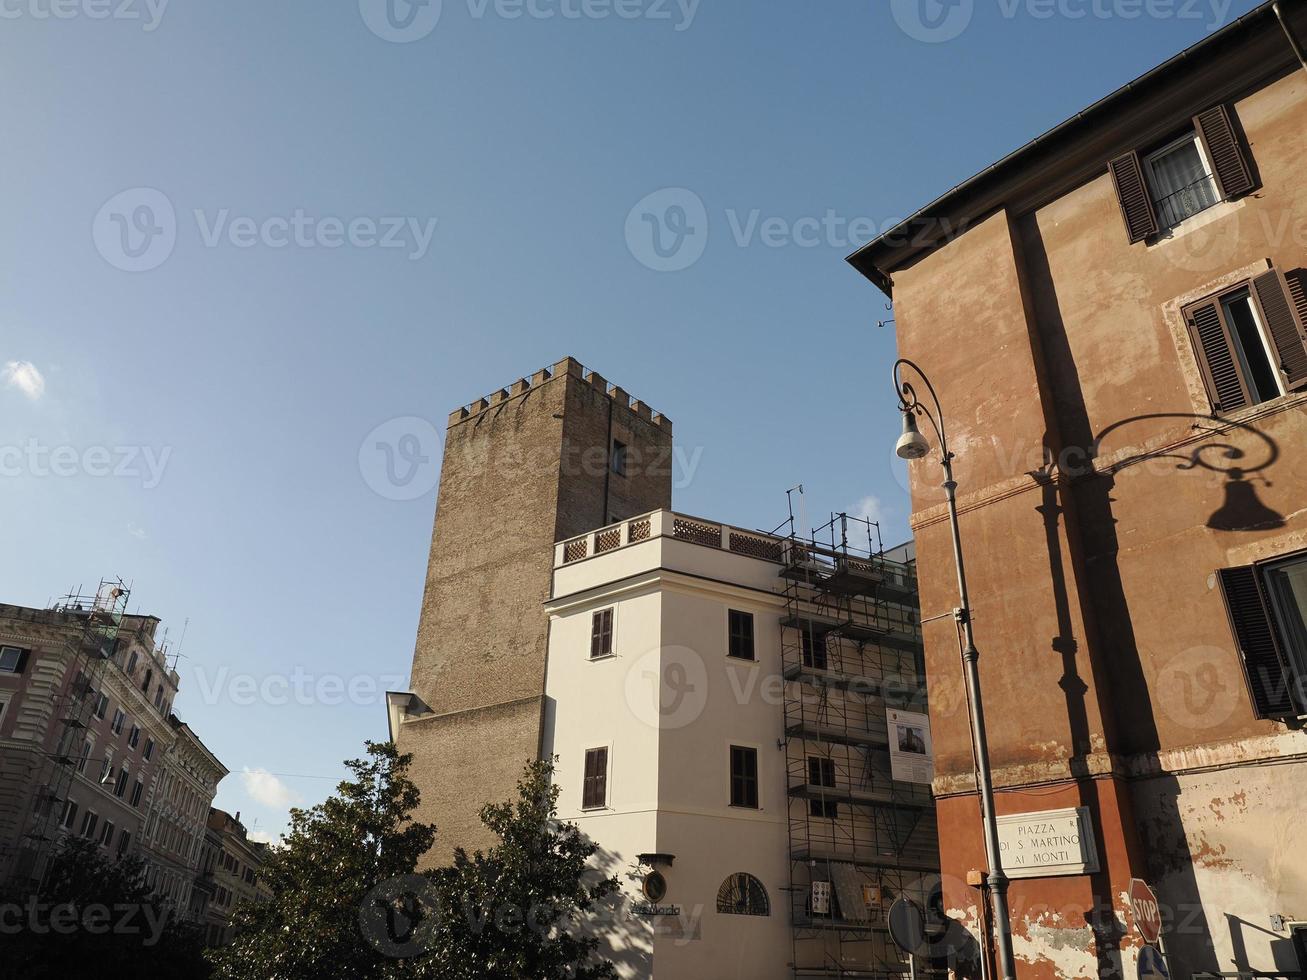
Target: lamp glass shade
column 912, row 444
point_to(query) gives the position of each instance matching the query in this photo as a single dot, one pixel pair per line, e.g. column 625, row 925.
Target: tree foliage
column 95, row 917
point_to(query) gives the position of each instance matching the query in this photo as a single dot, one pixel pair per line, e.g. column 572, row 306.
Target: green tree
column 96, row 918
column 329, row 877
column 518, row 911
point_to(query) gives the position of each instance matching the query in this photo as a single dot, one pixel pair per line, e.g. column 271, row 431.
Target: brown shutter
column 595, row 785
column 1211, row 340
column 1133, row 195
column 1284, row 309
column 1264, row 668
column 1225, row 149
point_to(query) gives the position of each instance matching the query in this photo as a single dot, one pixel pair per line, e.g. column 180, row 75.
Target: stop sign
column 1148, row 917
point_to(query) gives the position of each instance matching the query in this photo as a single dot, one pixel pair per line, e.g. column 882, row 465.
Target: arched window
column 743, row 894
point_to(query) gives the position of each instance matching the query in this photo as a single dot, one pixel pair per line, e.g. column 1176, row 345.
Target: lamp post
column 912, row 445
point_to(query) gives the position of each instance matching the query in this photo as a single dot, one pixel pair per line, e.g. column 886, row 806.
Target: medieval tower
column 547, row 459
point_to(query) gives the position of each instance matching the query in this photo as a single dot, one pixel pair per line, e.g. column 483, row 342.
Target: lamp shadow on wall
column 1082, row 537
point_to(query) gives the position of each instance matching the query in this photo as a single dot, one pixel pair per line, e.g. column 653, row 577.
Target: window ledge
column 741, row 660
column 1195, row 222
column 606, row 656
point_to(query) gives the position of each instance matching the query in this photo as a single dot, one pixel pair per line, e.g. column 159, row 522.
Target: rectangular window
column 84, row 756
column 131, row 662
column 149, row 749
column 70, row 815
column 124, row 842
column 594, row 793
column 136, row 793
column 601, row 634
column 120, row 784
column 134, row 736
column 1267, row 605
column 744, row 777
column 119, row 717
column 1251, row 340
column 89, row 821
column 158, row 696
column 1181, row 181
column 814, row 648
column 741, row 636
column 619, row 458
column 106, row 834
column 4, row 706
column 102, row 706
column 821, row 772
column 12, row 660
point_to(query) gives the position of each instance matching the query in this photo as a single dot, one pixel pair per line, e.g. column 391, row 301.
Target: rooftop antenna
column 803, row 516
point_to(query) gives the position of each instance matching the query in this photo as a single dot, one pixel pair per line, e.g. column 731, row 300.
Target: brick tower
column 547, row 459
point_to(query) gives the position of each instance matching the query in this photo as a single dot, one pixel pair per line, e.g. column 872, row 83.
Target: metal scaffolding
column 858, row 838
column 88, row 651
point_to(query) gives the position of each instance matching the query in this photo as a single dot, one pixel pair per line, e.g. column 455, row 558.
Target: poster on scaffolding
column 911, row 756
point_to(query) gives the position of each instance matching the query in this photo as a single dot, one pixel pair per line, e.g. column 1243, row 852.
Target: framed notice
column 911, row 755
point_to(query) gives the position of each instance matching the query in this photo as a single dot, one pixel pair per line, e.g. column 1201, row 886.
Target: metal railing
column 1198, row 195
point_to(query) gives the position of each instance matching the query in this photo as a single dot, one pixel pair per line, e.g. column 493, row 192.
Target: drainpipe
column 1288, row 32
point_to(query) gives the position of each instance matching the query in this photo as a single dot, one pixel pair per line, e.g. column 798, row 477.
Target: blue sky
column 236, row 238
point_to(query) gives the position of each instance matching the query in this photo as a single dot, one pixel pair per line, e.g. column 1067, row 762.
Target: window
column 1267, row 604
column 120, row 784
column 4, row 705
column 619, row 458
column 814, row 648
column 158, row 696
column 106, row 834
column 149, row 676
column 12, row 660
column 149, row 749
column 124, row 842
column 89, row 821
column 102, row 706
column 601, row 634
column 1250, row 340
column 84, row 756
column 1181, row 181
column 821, row 772
column 134, row 736
column 744, row 777
column 119, row 717
column 131, row 662
column 743, row 894
column 741, row 635
column 1208, row 163
column 70, row 815
column 594, row 792
column 136, row 793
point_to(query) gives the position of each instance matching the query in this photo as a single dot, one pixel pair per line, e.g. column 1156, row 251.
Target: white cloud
column 869, row 508
column 267, row 789
column 263, row 837
column 24, row 376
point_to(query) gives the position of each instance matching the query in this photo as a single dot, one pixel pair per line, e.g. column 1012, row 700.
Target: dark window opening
column 744, row 777
column 601, row 634
column 1250, row 348
column 594, row 791
column 814, row 648
column 741, row 636
column 619, row 458
column 1267, row 605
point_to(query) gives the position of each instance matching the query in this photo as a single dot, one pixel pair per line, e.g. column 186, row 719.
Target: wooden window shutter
column 601, row 634
column 1225, row 149
column 1264, row 666
column 1211, row 339
column 595, row 789
column 1134, row 197
column 1283, row 313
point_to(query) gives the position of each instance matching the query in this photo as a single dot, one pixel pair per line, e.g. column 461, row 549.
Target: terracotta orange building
column 1113, row 317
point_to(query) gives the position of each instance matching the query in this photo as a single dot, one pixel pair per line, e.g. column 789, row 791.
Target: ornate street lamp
column 913, row 445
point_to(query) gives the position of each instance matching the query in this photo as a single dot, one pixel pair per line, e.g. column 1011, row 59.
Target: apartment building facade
column 1113, row 317
column 728, row 736
column 230, row 870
